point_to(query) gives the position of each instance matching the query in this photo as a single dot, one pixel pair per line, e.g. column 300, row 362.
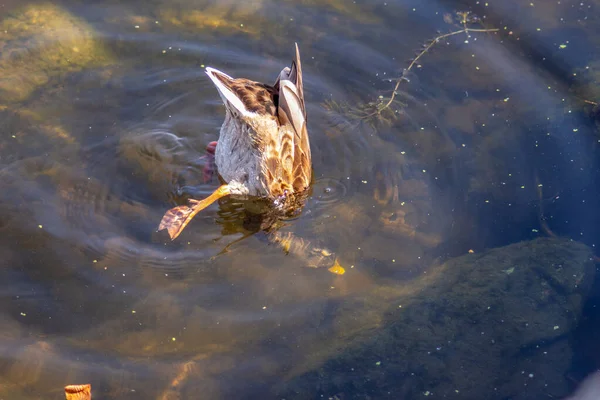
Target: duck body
column 263, row 148
column 240, row 169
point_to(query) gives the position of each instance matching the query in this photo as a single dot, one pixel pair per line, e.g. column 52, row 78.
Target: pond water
column 105, row 111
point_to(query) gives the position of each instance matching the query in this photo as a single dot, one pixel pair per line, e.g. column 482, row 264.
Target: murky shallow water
column 105, row 112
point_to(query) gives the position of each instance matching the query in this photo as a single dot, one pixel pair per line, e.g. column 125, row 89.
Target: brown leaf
column 78, row 392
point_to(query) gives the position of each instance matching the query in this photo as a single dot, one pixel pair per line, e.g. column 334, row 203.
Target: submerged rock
column 40, row 42
column 589, row 388
column 482, row 326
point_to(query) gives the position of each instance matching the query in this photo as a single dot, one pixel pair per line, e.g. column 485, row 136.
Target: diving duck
column 263, row 148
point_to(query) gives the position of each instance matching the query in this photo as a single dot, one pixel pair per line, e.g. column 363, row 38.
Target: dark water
column 105, row 112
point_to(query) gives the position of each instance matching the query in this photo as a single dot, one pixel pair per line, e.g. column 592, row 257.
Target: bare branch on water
column 380, row 109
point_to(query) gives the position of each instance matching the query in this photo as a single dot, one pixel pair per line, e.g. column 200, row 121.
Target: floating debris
column 78, row 392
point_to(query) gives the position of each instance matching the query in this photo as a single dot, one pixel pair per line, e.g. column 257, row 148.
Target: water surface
column 105, row 112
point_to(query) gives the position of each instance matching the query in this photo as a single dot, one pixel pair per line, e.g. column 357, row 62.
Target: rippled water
column 105, row 112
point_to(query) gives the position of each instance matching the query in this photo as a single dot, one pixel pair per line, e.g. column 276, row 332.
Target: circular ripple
column 328, row 191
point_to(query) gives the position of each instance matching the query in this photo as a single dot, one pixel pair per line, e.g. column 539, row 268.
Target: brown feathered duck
column 263, row 148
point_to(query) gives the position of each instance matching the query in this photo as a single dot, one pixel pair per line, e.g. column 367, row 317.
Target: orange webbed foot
column 176, row 219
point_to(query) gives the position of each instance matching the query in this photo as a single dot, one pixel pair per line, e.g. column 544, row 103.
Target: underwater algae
column 41, row 42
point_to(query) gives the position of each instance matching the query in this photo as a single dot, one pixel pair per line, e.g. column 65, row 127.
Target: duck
column 263, row 149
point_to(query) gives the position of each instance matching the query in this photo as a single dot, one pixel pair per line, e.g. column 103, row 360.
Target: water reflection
column 96, row 150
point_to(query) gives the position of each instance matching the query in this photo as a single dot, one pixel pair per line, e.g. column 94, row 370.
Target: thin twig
column 413, row 62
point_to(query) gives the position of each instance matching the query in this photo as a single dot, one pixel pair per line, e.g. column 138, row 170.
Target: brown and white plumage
column 263, row 148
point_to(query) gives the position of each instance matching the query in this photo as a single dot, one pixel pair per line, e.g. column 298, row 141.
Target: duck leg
column 315, row 257
column 177, row 218
column 209, row 166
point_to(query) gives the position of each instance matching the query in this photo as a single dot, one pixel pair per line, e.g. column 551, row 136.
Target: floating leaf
column 78, row 392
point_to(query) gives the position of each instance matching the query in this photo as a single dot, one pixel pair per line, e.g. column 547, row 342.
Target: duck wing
column 295, row 152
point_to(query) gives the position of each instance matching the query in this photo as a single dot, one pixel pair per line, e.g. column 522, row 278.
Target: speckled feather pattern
column 257, row 97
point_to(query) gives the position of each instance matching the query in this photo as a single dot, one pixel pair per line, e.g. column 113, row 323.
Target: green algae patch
column 226, row 19
column 42, row 42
